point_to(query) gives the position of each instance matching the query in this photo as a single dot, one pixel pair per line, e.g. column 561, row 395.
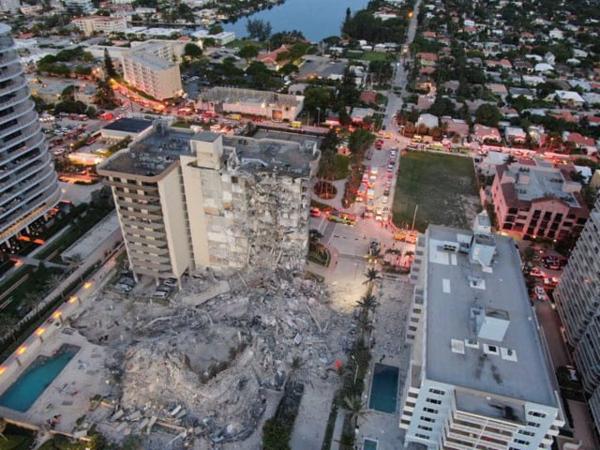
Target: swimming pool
column 37, row 377
column 384, row 388
column 370, row 444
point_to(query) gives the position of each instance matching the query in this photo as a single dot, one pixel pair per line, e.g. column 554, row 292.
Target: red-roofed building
column 369, row 97
column 581, row 142
column 483, row 134
column 533, row 201
column 270, row 59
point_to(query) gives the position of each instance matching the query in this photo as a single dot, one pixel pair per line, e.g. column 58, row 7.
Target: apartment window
column 425, row 428
column 422, row 436
column 547, row 215
column 427, row 419
column 537, row 213
column 537, row 414
column 430, row 410
column 526, row 433
column 433, row 400
column 436, row 391
column 521, row 441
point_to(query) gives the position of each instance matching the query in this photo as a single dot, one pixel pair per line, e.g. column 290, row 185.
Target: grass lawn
column 443, row 186
column 369, row 56
column 335, row 168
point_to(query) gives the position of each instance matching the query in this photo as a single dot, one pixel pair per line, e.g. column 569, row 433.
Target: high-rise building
column 80, row 6
column 10, row 6
column 479, row 374
column 153, row 67
column 577, row 299
column 189, row 200
column 28, row 183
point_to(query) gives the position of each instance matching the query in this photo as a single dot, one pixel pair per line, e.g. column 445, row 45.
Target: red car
column 379, row 144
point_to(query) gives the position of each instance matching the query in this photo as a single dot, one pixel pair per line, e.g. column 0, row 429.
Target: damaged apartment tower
column 188, row 201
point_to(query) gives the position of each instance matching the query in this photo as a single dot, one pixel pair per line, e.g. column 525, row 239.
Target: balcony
column 28, row 213
column 12, row 202
column 24, row 185
column 20, row 108
column 13, row 85
column 34, row 165
column 9, row 57
column 29, row 142
column 14, row 98
column 22, row 123
column 10, row 72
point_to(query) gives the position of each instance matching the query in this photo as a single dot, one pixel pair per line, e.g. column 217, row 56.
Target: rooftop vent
column 457, row 346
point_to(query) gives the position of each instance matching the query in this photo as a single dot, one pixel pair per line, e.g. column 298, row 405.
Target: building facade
column 153, row 68
column 577, row 299
column 188, row 201
column 270, row 105
column 28, row 183
column 10, row 6
column 79, row 6
column 538, row 200
column 101, row 24
column 479, row 375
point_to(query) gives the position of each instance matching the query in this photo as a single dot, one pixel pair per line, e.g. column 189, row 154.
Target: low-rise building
column 126, row 127
column 271, row 105
column 479, row 377
column 100, row 24
column 537, row 200
column 191, row 200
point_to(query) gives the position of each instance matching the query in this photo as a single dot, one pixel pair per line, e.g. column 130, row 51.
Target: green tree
column 488, row 114
column 109, row 68
column 317, row 98
column 192, row 51
column 248, row 52
column 258, row 29
column 215, row 28
column 105, row 96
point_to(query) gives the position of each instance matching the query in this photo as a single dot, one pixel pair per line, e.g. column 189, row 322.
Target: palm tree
column 367, row 303
column 356, row 409
column 365, row 326
column 372, row 275
column 295, row 366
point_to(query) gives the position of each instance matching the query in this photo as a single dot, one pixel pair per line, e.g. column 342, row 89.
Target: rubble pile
column 203, row 363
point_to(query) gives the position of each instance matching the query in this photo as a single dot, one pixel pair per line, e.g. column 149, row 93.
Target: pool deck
column 394, row 303
column 70, row 392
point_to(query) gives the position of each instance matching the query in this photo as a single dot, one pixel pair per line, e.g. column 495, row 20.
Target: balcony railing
column 11, row 202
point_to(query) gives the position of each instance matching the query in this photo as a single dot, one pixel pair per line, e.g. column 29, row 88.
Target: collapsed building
column 210, row 365
column 191, row 200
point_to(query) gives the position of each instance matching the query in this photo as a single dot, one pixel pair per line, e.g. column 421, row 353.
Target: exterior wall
column 158, row 83
column 28, row 183
column 91, row 25
column 431, row 418
column 550, row 218
column 578, row 299
column 275, row 112
column 144, row 232
column 174, row 212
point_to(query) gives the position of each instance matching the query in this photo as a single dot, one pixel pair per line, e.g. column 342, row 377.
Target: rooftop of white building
column 480, row 327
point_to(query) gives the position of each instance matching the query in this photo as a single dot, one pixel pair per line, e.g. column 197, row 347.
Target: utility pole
column 414, row 217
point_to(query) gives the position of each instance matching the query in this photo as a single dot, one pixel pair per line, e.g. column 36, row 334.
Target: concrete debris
column 201, row 367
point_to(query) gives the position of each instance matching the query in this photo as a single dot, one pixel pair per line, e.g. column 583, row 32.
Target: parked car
column 540, row 294
column 536, row 272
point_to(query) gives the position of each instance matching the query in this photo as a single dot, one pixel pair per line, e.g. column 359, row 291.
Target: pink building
column 533, row 201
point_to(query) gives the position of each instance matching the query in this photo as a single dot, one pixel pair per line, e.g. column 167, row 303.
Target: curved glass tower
column 28, row 183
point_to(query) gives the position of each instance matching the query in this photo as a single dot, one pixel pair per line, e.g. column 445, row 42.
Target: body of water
column 316, row 19
column 37, row 377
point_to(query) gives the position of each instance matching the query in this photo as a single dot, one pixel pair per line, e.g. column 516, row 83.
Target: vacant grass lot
column 442, row 185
